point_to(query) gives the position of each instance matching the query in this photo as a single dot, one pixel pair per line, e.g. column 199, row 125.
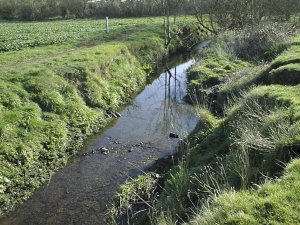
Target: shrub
column 263, row 42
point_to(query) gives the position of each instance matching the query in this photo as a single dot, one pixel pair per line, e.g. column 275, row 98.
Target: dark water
column 79, row 193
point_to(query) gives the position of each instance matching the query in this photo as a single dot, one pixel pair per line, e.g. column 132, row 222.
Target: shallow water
column 79, row 193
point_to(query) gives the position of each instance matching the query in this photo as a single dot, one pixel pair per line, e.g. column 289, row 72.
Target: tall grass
column 273, row 202
column 134, row 197
column 263, row 42
column 249, row 146
column 257, row 129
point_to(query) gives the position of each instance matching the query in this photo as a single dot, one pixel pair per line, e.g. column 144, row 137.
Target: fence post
column 106, row 25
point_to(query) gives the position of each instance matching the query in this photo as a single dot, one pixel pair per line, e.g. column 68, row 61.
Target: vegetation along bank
column 240, row 165
column 58, row 79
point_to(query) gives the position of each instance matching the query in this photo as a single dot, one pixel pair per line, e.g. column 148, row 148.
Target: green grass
column 21, row 35
column 57, row 78
column 134, row 193
column 215, row 66
column 210, row 71
column 260, row 112
column 260, row 131
column 238, row 83
column 288, row 74
column 220, row 63
column 225, row 162
column 276, row 202
column 73, row 34
column 290, row 56
column 283, row 70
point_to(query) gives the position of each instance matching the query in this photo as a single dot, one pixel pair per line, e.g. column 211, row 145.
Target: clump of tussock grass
column 269, row 203
column 263, row 42
column 134, row 196
column 225, row 64
column 258, row 132
column 179, row 191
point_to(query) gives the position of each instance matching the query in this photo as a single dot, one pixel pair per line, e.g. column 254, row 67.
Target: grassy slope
column 57, row 95
column 212, row 69
column 261, row 128
column 275, row 202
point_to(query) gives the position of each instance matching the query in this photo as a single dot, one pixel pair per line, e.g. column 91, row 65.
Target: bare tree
column 169, row 7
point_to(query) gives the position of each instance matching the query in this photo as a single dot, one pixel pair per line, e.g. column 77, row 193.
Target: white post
column 106, row 25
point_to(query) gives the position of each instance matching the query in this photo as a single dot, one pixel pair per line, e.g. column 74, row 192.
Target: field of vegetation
column 57, row 80
column 16, row 36
column 240, row 165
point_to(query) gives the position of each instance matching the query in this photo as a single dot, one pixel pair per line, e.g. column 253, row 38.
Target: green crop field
column 20, row 35
column 23, row 42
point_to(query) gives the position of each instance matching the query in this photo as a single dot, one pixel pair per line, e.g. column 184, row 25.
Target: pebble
column 110, row 114
column 103, row 150
column 118, row 114
column 172, row 135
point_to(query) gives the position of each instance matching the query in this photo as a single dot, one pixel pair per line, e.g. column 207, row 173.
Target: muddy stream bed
column 79, row 193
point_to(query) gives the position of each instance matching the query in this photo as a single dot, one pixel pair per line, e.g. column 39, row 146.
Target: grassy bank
column 240, row 164
column 57, row 80
column 232, row 172
column 274, row 202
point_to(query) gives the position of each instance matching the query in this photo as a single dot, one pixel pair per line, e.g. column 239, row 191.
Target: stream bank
column 241, row 165
column 52, row 101
column 78, row 194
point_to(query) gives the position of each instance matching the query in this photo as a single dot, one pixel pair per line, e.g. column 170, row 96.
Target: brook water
column 79, row 193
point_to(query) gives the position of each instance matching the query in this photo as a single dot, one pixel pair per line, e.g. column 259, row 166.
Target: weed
column 263, row 42
column 134, row 195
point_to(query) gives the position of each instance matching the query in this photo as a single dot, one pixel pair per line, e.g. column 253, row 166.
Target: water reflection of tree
column 160, row 106
column 171, row 110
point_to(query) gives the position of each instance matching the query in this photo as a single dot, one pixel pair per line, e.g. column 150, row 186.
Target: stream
column 79, row 193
